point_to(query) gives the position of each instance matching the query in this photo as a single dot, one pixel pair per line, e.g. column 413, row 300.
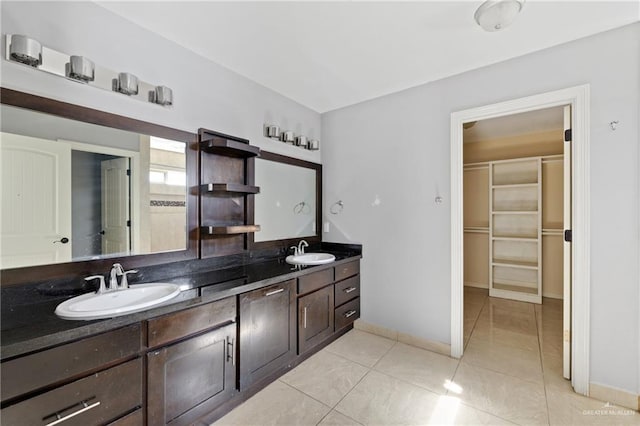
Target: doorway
column 577, row 98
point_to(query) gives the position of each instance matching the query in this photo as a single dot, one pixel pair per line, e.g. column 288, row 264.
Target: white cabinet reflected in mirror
column 287, row 204
column 78, row 191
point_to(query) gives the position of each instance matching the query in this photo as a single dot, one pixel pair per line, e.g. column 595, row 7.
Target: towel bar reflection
column 301, row 207
column 337, row 207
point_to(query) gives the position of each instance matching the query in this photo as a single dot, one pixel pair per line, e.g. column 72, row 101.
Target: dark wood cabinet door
column 315, row 318
column 188, row 379
column 267, row 331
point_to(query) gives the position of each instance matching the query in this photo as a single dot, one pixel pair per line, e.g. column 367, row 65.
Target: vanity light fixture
column 161, row 95
column 80, row 68
column 495, row 15
column 287, row 136
column 126, row 83
column 20, row 49
column 25, row 50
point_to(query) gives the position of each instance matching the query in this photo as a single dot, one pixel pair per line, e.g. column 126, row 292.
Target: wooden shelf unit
column 226, row 188
column 515, row 229
column 224, row 145
column 231, row 188
column 228, row 229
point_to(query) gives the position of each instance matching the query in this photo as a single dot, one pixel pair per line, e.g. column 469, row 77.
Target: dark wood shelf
column 229, row 148
column 229, row 188
column 229, row 229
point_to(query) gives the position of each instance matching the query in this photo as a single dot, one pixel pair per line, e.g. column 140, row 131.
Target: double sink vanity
column 189, row 332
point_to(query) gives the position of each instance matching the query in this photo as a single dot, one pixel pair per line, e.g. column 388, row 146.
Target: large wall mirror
column 289, row 205
column 83, row 185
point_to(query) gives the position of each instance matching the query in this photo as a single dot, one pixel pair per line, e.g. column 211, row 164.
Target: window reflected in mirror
column 78, row 191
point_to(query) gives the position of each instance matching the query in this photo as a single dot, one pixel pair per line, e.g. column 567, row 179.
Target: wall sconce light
column 126, row 83
column 161, row 95
column 80, row 68
column 26, row 50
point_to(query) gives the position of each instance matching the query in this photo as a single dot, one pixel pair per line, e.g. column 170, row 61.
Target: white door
column 115, row 206
column 566, row 311
column 36, row 201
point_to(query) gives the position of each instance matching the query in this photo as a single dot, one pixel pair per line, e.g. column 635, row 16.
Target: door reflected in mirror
column 78, row 191
column 286, row 205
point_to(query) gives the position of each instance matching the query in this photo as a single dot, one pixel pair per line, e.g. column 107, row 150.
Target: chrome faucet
column 301, row 245
column 116, row 271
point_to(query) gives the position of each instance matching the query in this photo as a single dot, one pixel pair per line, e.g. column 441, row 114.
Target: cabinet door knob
column 63, row 240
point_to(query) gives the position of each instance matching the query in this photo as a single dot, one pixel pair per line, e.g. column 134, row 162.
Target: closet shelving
column 226, row 189
column 515, row 229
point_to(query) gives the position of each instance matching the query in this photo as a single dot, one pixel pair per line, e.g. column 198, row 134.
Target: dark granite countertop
column 31, row 326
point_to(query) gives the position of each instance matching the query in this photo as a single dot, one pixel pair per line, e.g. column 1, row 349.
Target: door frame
column 579, row 99
column 135, row 182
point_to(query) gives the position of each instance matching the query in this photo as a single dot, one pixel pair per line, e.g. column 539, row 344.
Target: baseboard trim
column 476, row 285
column 408, row 339
column 615, row 396
column 552, row 295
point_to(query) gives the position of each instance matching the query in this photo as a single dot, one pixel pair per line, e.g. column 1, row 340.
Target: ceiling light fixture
column 495, row 15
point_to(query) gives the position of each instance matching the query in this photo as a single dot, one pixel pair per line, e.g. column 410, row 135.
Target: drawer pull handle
column 305, row 318
column 350, row 313
column 84, row 408
column 272, row 292
column 349, row 290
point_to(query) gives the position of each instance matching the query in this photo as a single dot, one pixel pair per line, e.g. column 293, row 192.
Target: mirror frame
column 78, row 269
column 287, row 242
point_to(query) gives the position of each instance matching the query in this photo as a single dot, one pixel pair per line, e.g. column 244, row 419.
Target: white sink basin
column 310, row 259
column 111, row 304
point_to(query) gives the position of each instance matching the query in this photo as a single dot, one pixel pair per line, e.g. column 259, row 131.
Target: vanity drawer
column 347, row 290
column 51, row 366
column 94, row 400
column 347, row 313
column 171, row 327
column 347, row 270
column 314, row 281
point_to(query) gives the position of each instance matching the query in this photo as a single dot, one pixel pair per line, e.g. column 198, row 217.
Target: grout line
column 306, row 394
column 469, row 339
column 486, row 299
column 544, row 381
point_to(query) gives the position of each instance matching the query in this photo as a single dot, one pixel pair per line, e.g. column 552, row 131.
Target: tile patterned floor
column 511, row 373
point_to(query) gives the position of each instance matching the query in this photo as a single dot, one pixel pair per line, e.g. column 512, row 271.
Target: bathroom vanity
column 243, row 316
column 186, row 360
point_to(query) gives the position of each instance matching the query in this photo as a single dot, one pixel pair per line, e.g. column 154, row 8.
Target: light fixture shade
column 162, row 95
column 495, row 15
column 80, row 68
column 25, row 50
column 126, row 83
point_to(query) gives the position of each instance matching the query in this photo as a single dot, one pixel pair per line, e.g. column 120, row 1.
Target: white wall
column 396, row 148
column 205, row 94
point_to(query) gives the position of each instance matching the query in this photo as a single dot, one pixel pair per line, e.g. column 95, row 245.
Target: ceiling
column 526, row 123
column 327, row 55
